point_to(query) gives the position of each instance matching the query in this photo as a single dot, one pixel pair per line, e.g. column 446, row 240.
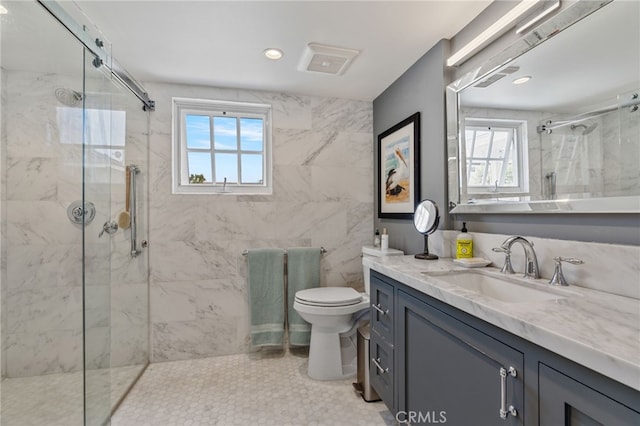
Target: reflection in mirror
column 426, row 219
column 557, row 128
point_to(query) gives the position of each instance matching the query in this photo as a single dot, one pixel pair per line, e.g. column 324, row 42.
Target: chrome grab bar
column 133, row 170
column 504, row 412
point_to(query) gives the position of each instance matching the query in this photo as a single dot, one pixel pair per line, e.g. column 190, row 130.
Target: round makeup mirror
column 426, row 219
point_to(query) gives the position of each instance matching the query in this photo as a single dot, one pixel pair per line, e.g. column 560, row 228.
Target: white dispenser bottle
column 384, row 240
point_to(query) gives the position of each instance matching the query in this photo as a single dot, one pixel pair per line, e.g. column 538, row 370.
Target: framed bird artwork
column 399, row 169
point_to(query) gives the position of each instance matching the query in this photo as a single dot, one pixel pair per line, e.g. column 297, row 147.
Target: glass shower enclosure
column 74, row 299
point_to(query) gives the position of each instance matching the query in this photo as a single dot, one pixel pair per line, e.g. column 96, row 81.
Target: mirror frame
column 538, row 35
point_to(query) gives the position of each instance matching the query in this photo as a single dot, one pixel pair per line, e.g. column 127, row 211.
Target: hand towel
column 266, row 296
column 303, row 271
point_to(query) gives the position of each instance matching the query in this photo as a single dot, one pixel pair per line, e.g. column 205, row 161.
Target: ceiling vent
column 326, row 59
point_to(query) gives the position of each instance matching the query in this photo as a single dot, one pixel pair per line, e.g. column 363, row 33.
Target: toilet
column 335, row 314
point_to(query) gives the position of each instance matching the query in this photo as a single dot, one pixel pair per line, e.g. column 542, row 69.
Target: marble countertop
column 598, row 330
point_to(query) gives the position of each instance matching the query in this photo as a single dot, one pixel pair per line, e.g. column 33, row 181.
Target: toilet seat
column 329, row 296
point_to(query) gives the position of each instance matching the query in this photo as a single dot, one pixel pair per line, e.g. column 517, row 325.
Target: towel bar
column 322, row 251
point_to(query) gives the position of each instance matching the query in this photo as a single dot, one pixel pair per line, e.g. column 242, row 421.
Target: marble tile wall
column 322, row 196
column 42, row 291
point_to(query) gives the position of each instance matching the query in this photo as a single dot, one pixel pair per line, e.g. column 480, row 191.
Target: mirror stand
column 426, row 219
column 426, row 255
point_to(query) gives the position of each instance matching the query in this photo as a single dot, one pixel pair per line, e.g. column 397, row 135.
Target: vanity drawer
column 381, row 371
column 381, row 308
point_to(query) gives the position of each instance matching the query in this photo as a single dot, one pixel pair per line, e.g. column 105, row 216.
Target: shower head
column 587, row 129
column 68, row 97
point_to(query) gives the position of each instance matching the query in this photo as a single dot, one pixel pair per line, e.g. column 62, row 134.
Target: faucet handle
column 507, row 268
column 558, row 277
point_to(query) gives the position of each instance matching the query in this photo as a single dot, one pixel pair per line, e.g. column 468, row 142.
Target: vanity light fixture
column 494, row 31
column 538, row 17
column 522, row 80
column 273, row 53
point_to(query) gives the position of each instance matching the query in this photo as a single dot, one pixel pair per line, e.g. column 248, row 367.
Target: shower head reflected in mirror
column 587, row 129
column 68, row 97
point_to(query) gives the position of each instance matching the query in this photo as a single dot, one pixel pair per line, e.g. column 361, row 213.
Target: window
column 495, row 156
column 221, row 147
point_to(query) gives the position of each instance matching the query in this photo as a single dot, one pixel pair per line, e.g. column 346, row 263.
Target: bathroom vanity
column 444, row 352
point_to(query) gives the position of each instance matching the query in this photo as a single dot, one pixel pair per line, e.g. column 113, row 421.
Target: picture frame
column 399, row 169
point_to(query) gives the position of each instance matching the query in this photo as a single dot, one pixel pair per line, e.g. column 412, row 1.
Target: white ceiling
column 220, row 43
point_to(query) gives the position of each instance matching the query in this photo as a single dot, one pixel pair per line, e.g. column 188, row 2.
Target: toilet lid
column 329, row 296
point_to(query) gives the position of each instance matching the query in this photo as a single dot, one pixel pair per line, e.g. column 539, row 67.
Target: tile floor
column 56, row 399
column 257, row 389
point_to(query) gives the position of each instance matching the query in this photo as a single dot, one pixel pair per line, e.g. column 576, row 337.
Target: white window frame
column 519, row 128
column 180, row 169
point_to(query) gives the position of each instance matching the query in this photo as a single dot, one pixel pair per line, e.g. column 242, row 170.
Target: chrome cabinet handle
column 504, row 412
column 378, row 308
column 376, row 362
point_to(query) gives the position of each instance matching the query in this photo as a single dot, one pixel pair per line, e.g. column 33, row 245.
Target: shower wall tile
column 322, row 196
column 130, row 345
column 36, row 354
column 42, row 290
column 173, row 302
column 44, row 309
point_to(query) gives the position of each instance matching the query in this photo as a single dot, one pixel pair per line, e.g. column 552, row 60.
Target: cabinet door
column 381, row 308
column 565, row 401
column 381, row 369
column 449, row 372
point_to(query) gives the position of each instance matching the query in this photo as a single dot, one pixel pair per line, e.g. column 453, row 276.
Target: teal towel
column 303, row 271
column 266, row 295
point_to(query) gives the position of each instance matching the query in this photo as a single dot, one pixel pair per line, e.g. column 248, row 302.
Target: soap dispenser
column 464, row 243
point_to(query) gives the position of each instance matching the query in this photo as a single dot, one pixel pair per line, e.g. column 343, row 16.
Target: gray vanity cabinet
column 452, row 372
column 564, row 401
column 433, row 363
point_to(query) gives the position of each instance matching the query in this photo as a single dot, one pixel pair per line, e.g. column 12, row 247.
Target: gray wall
column 421, row 88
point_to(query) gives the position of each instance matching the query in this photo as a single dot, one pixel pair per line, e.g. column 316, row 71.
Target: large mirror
column 552, row 125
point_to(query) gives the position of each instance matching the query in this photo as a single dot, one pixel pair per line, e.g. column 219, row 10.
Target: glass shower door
column 98, row 171
column 116, row 295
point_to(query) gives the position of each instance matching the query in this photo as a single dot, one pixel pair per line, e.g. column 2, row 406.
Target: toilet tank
column 371, row 251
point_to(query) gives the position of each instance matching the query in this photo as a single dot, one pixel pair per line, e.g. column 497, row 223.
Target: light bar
column 494, row 31
column 538, row 17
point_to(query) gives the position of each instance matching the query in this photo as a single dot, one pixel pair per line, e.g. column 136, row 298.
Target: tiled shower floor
column 56, row 399
column 244, row 390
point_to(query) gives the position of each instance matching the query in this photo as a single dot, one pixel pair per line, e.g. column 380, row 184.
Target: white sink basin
column 506, row 289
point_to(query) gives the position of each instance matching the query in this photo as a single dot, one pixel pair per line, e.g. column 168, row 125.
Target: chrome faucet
column 531, row 269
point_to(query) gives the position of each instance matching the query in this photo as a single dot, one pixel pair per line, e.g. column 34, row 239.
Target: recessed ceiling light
column 3, row 10
column 273, row 53
column 522, row 80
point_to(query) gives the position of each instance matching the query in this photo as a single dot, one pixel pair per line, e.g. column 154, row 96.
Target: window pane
column 500, row 139
column 199, row 167
column 226, row 167
column 481, row 148
column 468, row 138
column 251, row 134
column 198, row 131
column 476, row 173
column 225, row 133
column 251, row 168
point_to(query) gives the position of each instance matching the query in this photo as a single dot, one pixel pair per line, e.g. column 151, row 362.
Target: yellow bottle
column 464, row 243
